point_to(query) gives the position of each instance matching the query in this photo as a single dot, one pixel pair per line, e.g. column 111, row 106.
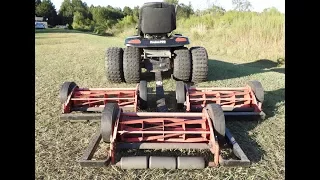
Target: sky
column 257, row 5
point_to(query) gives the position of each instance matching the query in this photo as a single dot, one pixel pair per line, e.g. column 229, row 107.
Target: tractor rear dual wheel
column 113, row 64
column 131, row 65
column 190, row 64
column 199, row 57
column 182, row 64
column 123, row 65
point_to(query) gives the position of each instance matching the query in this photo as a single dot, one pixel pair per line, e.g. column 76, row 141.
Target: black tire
column 217, row 118
column 199, row 58
column 65, row 90
column 182, row 64
column 180, row 94
column 143, row 95
column 108, row 117
column 131, row 65
column 257, row 89
column 113, row 64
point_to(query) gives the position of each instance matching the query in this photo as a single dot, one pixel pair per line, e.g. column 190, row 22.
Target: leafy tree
column 37, row 2
column 175, row 2
column 66, row 12
column 68, row 8
column 241, row 5
column 79, row 6
column 184, row 11
column 136, row 11
column 215, row 10
column 80, row 22
column 105, row 17
column 47, row 10
column 127, row 11
column 271, row 10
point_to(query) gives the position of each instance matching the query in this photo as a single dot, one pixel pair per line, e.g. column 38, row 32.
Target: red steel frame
column 227, row 98
column 94, row 99
column 150, row 127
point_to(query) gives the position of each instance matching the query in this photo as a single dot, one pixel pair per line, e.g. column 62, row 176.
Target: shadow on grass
column 220, row 70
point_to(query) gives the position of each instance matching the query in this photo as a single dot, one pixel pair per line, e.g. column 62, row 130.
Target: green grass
column 79, row 57
column 248, row 36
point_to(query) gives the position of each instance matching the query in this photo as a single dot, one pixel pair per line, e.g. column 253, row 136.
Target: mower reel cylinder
column 162, row 162
column 190, row 163
column 159, row 162
column 134, row 162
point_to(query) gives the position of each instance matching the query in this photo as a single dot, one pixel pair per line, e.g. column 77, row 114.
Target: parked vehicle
column 39, row 25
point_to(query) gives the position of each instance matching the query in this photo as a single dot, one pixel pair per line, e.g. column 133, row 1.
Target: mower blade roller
column 88, row 103
column 164, row 130
column 236, row 101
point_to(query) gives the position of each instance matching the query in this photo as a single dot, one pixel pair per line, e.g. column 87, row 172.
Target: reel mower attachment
column 88, row 103
column 163, row 130
column 236, row 101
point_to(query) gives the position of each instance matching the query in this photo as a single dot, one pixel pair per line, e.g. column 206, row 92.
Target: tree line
column 78, row 15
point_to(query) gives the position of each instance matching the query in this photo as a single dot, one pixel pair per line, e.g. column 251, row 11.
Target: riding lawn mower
column 199, row 125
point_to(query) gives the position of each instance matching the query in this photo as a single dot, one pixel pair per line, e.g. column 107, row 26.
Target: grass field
column 79, row 57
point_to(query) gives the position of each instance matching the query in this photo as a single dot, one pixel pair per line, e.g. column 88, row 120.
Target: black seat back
column 157, row 18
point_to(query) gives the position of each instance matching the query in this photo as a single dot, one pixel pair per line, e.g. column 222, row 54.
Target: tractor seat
column 157, row 18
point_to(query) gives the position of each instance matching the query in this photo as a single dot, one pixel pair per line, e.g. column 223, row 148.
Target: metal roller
column 134, row 162
column 160, row 162
column 190, row 163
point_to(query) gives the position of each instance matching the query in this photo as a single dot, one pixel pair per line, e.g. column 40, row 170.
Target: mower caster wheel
column 66, row 90
column 108, row 117
column 218, row 120
column 257, row 90
column 180, row 94
column 143, row 95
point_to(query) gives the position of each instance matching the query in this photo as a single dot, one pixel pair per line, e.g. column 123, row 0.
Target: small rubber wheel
column 257, row 90
column 217, row 117
column 66, row 89
column 143, row 95
column 180, row 94
column 108, row 117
